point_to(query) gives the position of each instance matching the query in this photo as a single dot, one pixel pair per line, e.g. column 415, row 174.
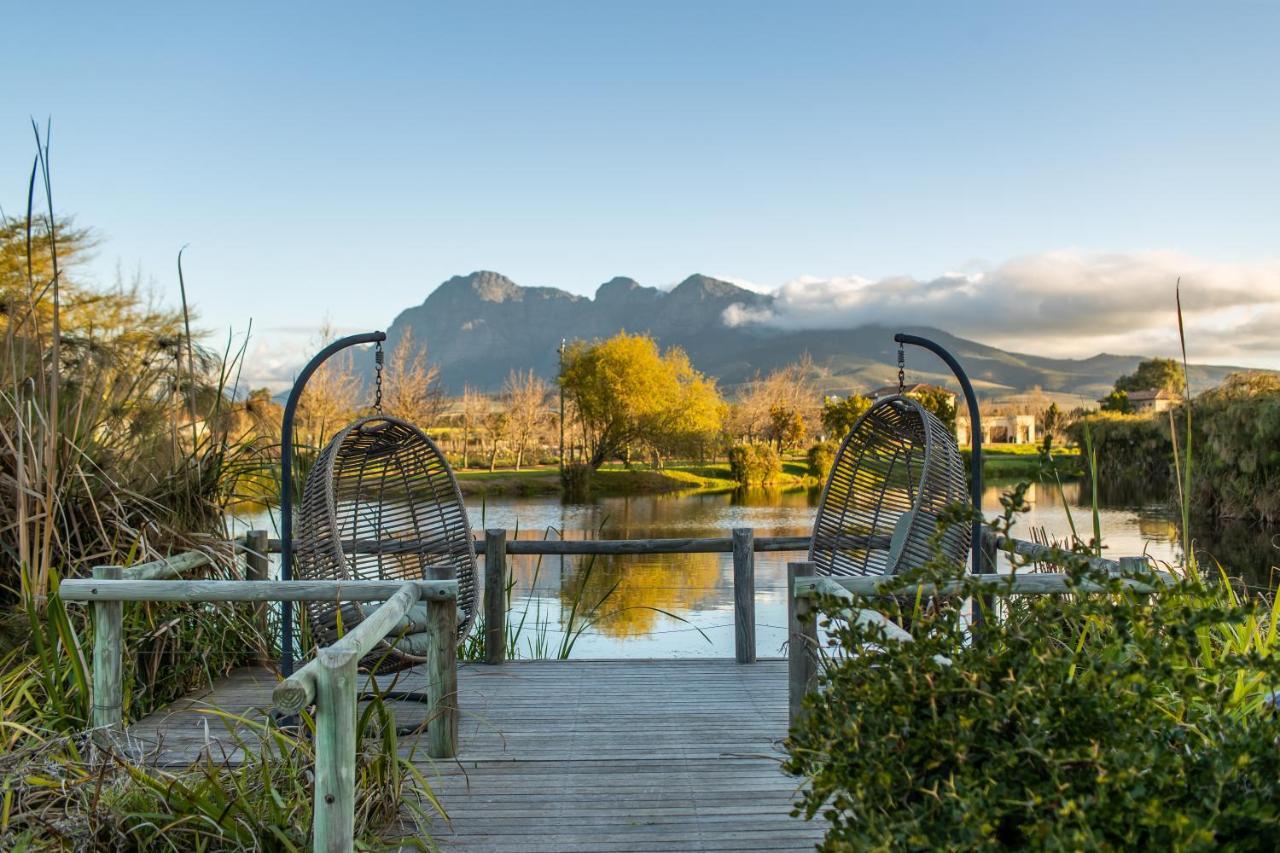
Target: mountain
column 481, row 326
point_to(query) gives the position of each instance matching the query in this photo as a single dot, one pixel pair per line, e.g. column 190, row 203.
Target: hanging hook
column 902, row 372
column 377, row 377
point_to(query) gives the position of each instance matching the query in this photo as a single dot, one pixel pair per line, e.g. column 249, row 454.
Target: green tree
column 786, row 427
column 940, row 403
column 1051, row 421
column 626, row 391
column 1154, row 374
column 839, row 416
column 1116, row 401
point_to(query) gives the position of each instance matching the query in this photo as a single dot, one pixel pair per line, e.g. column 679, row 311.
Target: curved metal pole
column 975, row 435
column 286, row 482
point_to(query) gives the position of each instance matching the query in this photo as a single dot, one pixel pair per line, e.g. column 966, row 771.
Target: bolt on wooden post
column 335, row 792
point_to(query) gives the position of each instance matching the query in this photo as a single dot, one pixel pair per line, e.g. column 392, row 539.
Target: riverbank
column 999, row 462
column 618, row 481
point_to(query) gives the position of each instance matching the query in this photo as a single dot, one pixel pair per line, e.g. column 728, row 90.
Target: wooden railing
column 743, row 544
column 330, row 681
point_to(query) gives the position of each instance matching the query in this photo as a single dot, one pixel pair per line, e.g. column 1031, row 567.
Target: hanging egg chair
column 381, row 503
column 895, row 472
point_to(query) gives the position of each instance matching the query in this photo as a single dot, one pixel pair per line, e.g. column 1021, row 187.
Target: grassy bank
column 1000, row 462
column 616, row 480
column 1023, row 461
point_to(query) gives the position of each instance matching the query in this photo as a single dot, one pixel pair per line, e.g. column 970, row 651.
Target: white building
column 999, row 429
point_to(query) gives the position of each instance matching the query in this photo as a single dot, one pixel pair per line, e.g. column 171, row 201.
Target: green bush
column 1071, row 722
column 820, row 458
column 1131, row 449
column 754, row 464
column 1236, row 433
column 575, row 480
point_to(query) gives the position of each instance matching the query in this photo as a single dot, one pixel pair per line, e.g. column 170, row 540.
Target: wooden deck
column 582, row 755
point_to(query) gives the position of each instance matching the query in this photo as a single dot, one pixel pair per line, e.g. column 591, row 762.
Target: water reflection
column 632, row 594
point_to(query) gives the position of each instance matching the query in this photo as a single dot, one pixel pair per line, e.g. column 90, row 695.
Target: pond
column 681, row 605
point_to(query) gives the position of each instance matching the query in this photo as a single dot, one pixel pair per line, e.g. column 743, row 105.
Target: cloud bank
column 1065, row 303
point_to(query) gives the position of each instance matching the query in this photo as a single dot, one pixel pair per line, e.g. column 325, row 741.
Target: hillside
column 480, row 326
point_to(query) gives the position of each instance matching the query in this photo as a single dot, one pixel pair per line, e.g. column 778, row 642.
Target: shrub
column 575, row 480
column 754, row 464
column 1236, row 433
column 839, row 416
column 1071, row 722
column 1131, row 449
column 821, row 457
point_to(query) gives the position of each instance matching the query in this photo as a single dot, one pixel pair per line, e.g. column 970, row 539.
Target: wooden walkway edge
column 581, row 755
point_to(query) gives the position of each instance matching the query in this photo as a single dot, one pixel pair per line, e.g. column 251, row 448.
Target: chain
column 377, row 378
column 902, row 373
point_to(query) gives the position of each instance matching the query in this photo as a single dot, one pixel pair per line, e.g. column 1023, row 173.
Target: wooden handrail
column 1029, row 583
column 330, row 681
column 201, row 591
column 167, row 567
column 552, row 547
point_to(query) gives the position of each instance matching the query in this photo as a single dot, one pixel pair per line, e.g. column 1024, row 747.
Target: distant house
column 913, row 388
column 1153, row 401
column 999, row 429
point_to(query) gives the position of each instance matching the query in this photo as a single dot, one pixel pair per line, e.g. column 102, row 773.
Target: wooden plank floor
column 581, row 755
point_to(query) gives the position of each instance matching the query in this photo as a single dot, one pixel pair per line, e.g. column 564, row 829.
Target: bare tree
column 494, row 427
column 785, row 395
column 330, row 398
column 475, row 406
column 411, row 385
column 524, row 398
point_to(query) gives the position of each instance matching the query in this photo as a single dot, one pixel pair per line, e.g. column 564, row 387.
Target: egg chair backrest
column 382, row 503
column 894, row 474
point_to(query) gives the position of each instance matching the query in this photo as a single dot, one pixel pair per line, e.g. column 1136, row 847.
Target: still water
column 681, row 605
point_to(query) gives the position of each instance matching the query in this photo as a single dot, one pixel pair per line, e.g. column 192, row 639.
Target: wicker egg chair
column 381, row 503
column 895, row 472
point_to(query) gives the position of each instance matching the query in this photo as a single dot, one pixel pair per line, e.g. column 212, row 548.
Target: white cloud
column 276, row 354
column 1065, row 303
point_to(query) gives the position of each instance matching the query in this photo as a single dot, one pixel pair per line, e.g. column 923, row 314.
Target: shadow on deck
column 581, row 755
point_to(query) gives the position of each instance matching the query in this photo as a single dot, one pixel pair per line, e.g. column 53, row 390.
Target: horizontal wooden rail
column 1030, row 583
column 1052, row 554
column 169, row 567
column 548, row 547
column 179, row 590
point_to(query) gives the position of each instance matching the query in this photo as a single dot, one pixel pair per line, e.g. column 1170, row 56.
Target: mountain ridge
column 480, row 326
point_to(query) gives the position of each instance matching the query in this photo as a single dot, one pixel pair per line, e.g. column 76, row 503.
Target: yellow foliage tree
column 627, row 392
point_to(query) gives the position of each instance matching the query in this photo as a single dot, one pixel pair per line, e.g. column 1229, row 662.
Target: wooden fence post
column 442, row 671
column 495, row 596
column 802, row 641
column 1130, row 566
column 335, row 777
column 255, row 569
column 108, row 687
column 986, row 605
column 744, row 594
column 989, row 552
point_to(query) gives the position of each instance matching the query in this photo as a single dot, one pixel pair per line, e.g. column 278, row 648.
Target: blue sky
column 341, row 160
